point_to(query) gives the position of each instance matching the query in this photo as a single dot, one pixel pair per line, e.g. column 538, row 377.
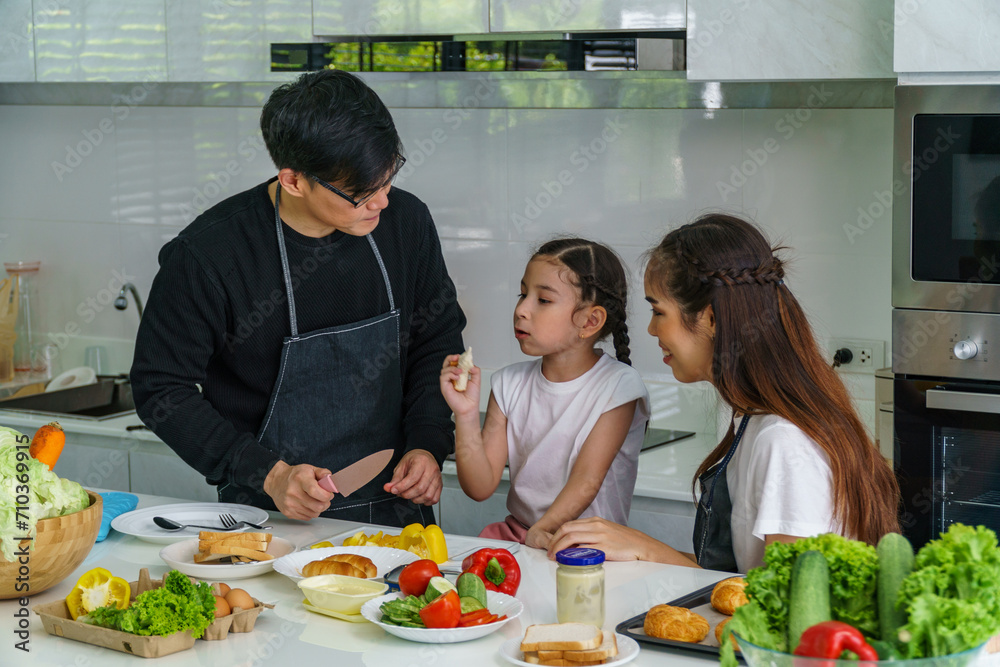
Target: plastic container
column 580, row 586
column 26, row 327
column 340, row 593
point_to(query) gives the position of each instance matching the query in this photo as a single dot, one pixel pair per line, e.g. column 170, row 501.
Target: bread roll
column 363, row 563
column 728, row 594
column 676, row 623
column 318, row 567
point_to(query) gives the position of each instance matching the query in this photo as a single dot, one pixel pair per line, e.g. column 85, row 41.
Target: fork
column 230, row 523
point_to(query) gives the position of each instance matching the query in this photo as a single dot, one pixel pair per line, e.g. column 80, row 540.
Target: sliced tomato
column 444, row 612
column 478, row 617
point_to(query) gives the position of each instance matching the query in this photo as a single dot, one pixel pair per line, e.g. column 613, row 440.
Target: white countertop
column 664, row 472
column 289, row 635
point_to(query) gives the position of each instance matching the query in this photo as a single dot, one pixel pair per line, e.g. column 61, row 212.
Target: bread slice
column 549, row 655
column 212, row 535
column 562, row 637
column 254, row 554
column 607, row 649
column 531, row 657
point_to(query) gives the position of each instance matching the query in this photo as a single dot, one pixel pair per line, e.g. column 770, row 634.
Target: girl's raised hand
column 462, row 403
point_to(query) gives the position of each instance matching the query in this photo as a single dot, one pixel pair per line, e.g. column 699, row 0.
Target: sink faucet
column 121, row 303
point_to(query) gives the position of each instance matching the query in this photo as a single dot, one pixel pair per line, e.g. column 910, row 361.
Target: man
column 274, row 351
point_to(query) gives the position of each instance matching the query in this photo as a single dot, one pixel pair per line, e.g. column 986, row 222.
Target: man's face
column 332, row 210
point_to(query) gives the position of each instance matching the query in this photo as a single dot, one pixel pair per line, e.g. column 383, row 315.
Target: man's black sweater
column 218, row 313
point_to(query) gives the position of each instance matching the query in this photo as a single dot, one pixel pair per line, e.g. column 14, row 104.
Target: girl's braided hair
column 599, row 274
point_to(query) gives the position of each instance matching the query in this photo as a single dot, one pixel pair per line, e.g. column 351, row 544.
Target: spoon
column 169, row 524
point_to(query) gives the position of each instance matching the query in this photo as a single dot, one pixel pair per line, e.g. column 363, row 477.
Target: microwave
column 946, row 198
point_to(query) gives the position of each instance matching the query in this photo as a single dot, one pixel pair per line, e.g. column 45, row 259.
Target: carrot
column 48, row 444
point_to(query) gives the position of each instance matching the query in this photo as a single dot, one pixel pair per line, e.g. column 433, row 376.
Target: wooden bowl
column 61, row 544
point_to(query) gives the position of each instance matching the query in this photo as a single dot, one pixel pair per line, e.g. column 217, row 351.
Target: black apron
column 713, row 533
column 337, row 399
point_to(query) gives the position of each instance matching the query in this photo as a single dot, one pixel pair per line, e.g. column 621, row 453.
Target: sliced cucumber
column 470, row 604
column 438, row 586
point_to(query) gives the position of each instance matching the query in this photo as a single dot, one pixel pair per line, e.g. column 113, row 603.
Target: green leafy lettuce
column 48, row 495
column 751, row 623
column 952, row 597
column 177, row 606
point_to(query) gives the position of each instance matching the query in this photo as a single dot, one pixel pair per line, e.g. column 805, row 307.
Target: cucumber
column 470, row 604
column 809, row 601
column 471, row 586
column 895, row 561
column 437, row 586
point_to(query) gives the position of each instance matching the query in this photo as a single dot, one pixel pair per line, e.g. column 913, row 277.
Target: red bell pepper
column 831, row 638
column 497, row 568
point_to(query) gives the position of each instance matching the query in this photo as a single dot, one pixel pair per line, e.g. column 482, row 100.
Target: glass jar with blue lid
column 580, row 586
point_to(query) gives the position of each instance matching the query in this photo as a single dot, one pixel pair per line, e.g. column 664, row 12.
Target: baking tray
column 459, row 546
column 700, row 602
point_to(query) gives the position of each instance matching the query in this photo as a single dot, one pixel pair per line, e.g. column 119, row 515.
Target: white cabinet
column 17, row 42
column 953, row 36
column 392, row 17
column 767, row 40
column 96, row 462
column 155, row 469
column 575, row 16
column 100, row 40
column 461, row 515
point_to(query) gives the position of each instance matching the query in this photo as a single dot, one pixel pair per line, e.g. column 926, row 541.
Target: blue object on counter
column 115, row 503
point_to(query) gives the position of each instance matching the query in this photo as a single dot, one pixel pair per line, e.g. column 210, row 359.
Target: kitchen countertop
column 289, row 635
column 664, row 472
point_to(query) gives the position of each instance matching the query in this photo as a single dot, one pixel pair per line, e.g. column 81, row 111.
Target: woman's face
column 687, row 352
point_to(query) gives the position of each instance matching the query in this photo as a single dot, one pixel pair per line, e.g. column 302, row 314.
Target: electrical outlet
column 867, row 356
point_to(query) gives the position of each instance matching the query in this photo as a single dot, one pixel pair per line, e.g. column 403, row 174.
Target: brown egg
column 237, row 597
column 221, row 606
column 222, row 587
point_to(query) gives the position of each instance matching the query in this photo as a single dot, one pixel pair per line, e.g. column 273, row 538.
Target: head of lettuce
column 24, row 478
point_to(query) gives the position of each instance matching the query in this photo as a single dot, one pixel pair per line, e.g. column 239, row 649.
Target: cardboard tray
column 699, row 602
column 57, row 621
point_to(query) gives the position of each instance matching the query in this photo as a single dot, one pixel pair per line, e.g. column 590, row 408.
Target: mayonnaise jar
column 580, row 586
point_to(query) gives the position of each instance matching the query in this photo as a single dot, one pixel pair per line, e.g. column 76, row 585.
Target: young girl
column 570, row 424
column 796, row 460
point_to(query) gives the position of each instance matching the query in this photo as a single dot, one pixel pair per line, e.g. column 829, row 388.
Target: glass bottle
column 580, row 586
column 26, row 327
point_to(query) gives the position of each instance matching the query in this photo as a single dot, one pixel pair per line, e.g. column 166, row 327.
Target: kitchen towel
column 115, row 503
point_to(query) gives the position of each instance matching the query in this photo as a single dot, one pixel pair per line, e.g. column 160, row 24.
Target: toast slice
column 562, row 637
column 213, row 536
column 253, row 554
column 607, row 649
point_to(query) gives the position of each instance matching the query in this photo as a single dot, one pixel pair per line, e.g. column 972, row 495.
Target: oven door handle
column 963, row 401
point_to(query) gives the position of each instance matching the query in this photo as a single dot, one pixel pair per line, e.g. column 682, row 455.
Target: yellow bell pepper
column 426, row 542
column 97, row 588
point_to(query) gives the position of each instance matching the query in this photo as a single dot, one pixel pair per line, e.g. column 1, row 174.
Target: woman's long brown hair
column 766, row 360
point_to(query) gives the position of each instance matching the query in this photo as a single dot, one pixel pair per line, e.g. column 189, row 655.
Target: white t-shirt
column 547, row 424
column 779, row 483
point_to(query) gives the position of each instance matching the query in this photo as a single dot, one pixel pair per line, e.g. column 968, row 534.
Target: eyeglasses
column 358, row 202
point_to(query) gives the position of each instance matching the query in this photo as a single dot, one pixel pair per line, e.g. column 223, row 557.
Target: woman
column 796, row 460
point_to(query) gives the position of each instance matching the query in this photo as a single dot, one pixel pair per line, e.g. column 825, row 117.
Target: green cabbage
column 48, row 495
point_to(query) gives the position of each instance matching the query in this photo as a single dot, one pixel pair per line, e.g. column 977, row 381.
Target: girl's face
column 545, row 318
column 687, row 352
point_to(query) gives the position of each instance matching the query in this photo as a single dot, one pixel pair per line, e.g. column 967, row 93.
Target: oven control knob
column 966, row 349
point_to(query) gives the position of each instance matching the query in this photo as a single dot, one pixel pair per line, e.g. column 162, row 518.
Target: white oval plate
column 180, row 556
column 139, row 523
column 628, row 649
column 498, row 603
column 383, row 558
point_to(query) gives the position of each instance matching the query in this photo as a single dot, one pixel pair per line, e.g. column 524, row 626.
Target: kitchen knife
column 353, row 477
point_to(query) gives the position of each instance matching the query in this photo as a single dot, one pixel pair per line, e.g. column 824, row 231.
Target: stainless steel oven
column 946, row 306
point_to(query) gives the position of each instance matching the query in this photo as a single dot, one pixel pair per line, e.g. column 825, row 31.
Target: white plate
column 628, row 648
column 498, row 603
column 383, row 558
column 459, row 546
column 180, row 556
column 75, row 377
column 139, row 523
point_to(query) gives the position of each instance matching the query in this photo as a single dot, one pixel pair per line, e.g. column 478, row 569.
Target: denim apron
column 713, row 532
column 337, row 399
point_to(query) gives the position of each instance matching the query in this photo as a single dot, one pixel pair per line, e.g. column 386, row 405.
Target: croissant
column 318, row 567
column 676, row 623
column 728, row 594
column 363, row 563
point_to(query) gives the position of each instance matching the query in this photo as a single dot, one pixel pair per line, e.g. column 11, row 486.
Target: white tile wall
column 957, row 36
column 157, row 167
column 17, row 41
